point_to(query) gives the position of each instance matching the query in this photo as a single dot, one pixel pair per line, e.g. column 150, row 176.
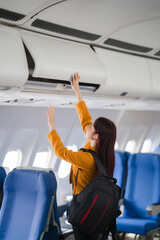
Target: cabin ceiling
column 126, row 26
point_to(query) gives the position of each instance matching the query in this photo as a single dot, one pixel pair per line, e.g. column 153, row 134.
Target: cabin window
column 12, row 159
column 64, row 168
column 130, row 146
column 146, row 146
column 116, row 146
column 42, row 159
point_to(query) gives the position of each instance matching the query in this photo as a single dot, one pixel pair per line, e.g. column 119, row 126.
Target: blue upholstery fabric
column 127, row 154
column 26, row 203
column 142, row 189
column 136, row 225
column 120, row 168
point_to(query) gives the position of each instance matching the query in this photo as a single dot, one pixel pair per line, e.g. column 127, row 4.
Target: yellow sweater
column 82, row 160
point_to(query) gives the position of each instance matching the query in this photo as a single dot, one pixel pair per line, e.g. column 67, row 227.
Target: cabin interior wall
column 138, row 125
column 25, row 128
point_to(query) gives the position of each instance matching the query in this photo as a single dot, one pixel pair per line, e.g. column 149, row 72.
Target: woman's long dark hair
column 106, row 131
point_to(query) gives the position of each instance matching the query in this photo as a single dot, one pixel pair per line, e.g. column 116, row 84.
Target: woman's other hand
column 51, row 117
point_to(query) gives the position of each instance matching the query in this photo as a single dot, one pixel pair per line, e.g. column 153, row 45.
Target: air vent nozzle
column 123, row 94
column 52, row 27
column 9, row 15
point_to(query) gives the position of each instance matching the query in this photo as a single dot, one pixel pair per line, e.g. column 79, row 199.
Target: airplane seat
column 2, row 178
column 157, row 149
column 120, row 170
column 142, row 196
column 127, row 154
column 27, row 207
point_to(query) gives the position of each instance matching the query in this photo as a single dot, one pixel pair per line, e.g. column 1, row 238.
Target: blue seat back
column 26, row 204
column 2, row 177
column 120, row 168
column 143, row 185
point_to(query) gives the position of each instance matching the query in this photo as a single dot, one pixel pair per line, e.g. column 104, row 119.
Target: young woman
column 101, row 136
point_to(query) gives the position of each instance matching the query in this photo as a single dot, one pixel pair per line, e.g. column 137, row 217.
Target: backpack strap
column 101, row 169
column 99, row 164
column 76, row 182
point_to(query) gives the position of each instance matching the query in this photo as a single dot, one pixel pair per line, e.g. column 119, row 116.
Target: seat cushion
column 136, row 225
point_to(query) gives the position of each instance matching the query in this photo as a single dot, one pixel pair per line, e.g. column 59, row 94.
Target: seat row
column 29, row 208
column 139, row 177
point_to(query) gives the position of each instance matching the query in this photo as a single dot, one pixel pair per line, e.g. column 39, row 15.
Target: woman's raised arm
column 51, row 117
column 75, row 86
column 82, row 110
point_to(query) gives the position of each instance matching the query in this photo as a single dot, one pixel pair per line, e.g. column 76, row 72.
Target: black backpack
column 94, row 209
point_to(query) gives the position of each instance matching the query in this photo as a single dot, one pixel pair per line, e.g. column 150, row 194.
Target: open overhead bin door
column 127, row 75
column 58, row 59
column 13, row 62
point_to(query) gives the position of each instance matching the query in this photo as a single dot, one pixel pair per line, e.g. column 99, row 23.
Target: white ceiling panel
column 145, row 34
column 17, row 12
column 23, row 6
column 100, row 17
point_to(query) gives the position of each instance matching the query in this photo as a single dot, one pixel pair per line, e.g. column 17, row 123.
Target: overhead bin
column 154, row 66
column 13, row 62
column 127, row 75
column 58, row 59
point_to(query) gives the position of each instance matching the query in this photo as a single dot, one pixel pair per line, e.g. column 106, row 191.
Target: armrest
column 153, row 209
column 121, row 202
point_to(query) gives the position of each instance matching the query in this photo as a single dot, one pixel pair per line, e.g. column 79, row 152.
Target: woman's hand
column 75, row 82
column 75, row 86
column 51, row 117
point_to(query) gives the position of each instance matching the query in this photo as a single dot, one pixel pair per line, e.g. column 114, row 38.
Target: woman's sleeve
column 84, row 115
column 80, row 159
